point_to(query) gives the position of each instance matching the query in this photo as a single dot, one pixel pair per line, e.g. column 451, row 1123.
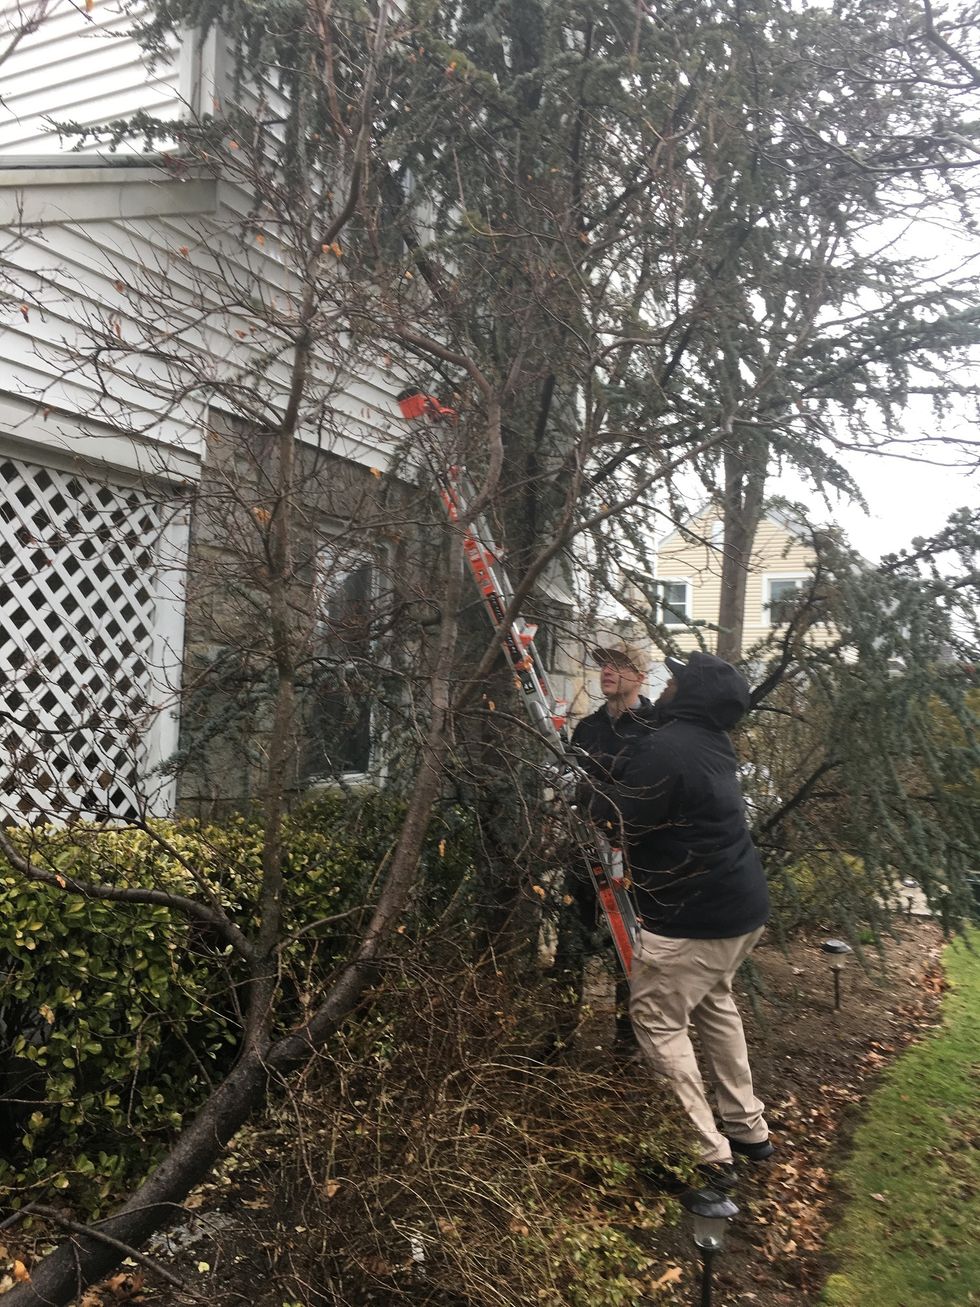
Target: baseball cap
column 676, row 666
column 622, row 651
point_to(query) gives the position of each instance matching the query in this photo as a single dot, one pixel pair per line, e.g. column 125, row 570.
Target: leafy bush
column 823, row 889
column 118, row 1018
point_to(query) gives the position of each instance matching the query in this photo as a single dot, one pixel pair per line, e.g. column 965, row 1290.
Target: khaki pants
column 676, row 983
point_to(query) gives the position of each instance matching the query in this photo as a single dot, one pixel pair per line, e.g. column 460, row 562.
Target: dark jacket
column 607, row 740
column 696, row 872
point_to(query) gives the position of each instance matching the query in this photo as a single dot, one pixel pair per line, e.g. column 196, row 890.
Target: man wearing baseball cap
column 607, row 734
column 702, row 898
column 604, row 737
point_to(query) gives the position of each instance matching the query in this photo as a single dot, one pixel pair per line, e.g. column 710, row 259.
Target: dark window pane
column 674, row 602
column 339, row 718
column 784, row 596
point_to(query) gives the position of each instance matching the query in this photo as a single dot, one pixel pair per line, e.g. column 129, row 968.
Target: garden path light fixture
column 909, row 882
column 838, row 949
column 711, row 1213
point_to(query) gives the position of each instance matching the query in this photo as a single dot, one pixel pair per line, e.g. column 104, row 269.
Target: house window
column 675, row 600
column 782, row 594
column 339, row 714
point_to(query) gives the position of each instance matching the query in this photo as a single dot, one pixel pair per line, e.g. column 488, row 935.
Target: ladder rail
column 604, row 860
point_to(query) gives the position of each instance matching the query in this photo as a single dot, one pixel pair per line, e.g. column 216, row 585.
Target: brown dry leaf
column 125, row 1286
column 20, row 1272
column 194, row 1202
column 91, row 1298
column 377, row 1265
column 672, row 1275
column 330, row 1188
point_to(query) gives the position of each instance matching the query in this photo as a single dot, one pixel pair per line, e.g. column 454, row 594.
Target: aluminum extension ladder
column 604, row 861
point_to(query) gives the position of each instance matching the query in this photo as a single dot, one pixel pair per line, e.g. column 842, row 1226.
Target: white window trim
column 800, row 578
column 669, row 620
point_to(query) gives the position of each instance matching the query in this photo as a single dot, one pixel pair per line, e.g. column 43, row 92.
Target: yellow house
column 688, row 579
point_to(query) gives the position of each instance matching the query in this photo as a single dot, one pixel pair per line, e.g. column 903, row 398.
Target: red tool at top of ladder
column 545, row 710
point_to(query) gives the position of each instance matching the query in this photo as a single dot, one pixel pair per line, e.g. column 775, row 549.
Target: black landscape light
column 838, row 950
column 711, row 1213
column 909, row 882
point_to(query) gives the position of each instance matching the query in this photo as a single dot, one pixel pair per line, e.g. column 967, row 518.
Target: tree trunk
column 745, row 483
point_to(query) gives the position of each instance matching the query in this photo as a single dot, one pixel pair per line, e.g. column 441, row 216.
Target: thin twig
column 49, row 1213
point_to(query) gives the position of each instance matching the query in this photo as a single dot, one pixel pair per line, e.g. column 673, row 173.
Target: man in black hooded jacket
column 702, row 898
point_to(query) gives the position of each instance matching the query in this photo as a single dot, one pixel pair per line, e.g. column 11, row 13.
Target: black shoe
column 718, row 1175
column 753, row 1152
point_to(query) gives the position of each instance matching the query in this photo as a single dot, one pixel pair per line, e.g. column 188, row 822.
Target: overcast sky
column 905, row 499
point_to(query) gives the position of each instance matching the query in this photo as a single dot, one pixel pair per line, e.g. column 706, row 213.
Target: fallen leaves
column 125, row 1287
column 672, row 1275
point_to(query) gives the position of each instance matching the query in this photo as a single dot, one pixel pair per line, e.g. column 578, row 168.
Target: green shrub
column 819, row 890
column 117, row 1018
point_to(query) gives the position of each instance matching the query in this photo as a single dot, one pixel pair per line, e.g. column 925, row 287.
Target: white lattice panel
column 77, row 609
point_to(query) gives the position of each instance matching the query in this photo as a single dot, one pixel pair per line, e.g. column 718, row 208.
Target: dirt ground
column 814, row 1067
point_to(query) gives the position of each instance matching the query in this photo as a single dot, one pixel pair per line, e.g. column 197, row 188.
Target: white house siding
column 87, row 240
column 101, row 432
column 78, row 66
column 691, row 555
column 70, row 279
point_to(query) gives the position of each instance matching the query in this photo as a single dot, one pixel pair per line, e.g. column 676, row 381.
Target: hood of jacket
column 710, row 691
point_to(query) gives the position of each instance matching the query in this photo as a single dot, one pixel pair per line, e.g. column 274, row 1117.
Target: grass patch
column 908, row 1236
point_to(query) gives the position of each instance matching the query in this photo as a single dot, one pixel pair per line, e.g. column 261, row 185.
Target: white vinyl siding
column 79, row 66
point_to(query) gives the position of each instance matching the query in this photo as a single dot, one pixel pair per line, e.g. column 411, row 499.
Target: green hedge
column 117, row 1018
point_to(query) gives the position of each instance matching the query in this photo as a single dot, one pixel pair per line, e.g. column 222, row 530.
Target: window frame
column 346, row 564
column 670, row 620
column 800, row 580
